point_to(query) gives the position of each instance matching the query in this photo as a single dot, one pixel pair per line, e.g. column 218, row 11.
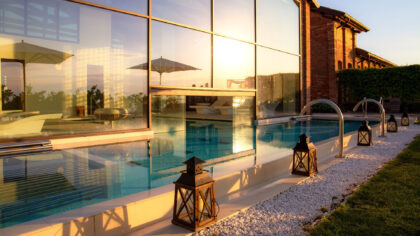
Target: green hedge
column 396, row 82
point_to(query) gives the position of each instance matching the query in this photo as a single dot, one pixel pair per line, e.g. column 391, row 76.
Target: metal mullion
column 110, row 8
column 179, row 24
column 149, row 65
column 255, row 60
column 212, row 44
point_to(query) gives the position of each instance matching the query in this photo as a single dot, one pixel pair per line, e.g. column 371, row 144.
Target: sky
column 394, row 27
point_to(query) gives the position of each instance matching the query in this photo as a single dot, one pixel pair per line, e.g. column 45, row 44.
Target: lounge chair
column 222, row 105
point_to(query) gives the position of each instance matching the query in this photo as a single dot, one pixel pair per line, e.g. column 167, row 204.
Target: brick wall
column 332, row 47
column 305, row 52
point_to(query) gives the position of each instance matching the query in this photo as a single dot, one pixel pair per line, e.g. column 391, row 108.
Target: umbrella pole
column 160, row 79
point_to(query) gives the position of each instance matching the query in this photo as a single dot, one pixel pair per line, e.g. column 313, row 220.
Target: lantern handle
column 307, row 107
column 381, row 109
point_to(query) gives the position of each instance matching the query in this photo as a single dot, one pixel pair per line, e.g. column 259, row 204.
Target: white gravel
column 286, row 213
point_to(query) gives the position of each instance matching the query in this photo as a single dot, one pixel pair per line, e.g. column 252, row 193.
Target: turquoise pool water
column 39, row 185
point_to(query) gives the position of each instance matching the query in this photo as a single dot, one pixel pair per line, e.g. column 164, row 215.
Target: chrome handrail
column 381, row 109
column 340, row 120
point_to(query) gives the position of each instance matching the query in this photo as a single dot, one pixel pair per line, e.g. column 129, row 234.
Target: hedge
column 395, row 82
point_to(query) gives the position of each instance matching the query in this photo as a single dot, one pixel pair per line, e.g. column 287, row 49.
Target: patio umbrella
column 30, row 53
column 163, row 65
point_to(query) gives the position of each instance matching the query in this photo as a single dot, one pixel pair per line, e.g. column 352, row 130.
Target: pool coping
column 121, row 215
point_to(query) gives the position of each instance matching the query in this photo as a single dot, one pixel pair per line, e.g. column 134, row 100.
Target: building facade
column 333, row 48
column 72, row 68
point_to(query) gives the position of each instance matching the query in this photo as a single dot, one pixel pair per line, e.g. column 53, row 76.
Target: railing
column 340, row 120
column 381, row 109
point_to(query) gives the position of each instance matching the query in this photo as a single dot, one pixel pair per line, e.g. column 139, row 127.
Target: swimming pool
column 38, row 185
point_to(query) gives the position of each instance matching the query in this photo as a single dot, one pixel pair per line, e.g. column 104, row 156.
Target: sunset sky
column 394, row 27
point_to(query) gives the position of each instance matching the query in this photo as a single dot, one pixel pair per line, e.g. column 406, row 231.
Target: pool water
column 39, row 185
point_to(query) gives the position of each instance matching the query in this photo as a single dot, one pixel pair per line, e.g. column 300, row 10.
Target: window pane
column 195, row 13
column 139, row 6
column 284, row 15
column 180, row 56
column 278, row 83
column 233, row 64
column 49, row 19
column 12, row 85
column 87, row 85
column 235, row 18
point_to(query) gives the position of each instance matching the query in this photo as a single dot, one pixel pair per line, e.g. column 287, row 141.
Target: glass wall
column 139, row 6
column 278, row 83
column 60, row 75
column 278, row 24
column 233, row 64
column 235, row 18
column 180, row 56
column 71, row 68
column 196, row 13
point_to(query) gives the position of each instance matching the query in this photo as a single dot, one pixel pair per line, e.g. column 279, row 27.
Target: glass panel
column 196, row 13
column 235, row 18
column 84, row 86
column 284, row 15
column 233, row 64
column 139, row 6
column 180, row 56
column 12, row 85
column 49, row 19
column 278, row 83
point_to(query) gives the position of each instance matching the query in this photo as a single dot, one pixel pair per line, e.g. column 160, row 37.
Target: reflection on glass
column 278, row 24
column 168, row 113
column 196, row 13
column 233, row 64
column 139, row 6
column 55, row 20
column 11, row 85
column 235, row 18
column 180, row 56
column 76, row 87
column 278, row 83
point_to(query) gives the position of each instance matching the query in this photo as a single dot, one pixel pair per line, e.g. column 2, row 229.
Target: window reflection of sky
column 284, row 15
column 139, row 6
column 234, row 18
column 184, row 46
column 195, row 13
column 233, row 61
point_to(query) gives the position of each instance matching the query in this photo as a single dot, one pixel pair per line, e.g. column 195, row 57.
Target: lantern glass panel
column 405, row 121
column 301, row 161
column 391, row 126
column 364, row 137
column 185, row 205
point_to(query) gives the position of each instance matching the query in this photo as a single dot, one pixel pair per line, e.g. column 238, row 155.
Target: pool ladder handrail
column 340, row 121
column 381, row 109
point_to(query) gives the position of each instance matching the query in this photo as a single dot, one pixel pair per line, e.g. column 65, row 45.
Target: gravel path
column 286, row 213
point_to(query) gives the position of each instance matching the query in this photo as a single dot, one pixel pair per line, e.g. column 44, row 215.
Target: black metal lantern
column 304, row 157
column 405, row 121
column 364, row 134
column 392, row 125
column 196, row 207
